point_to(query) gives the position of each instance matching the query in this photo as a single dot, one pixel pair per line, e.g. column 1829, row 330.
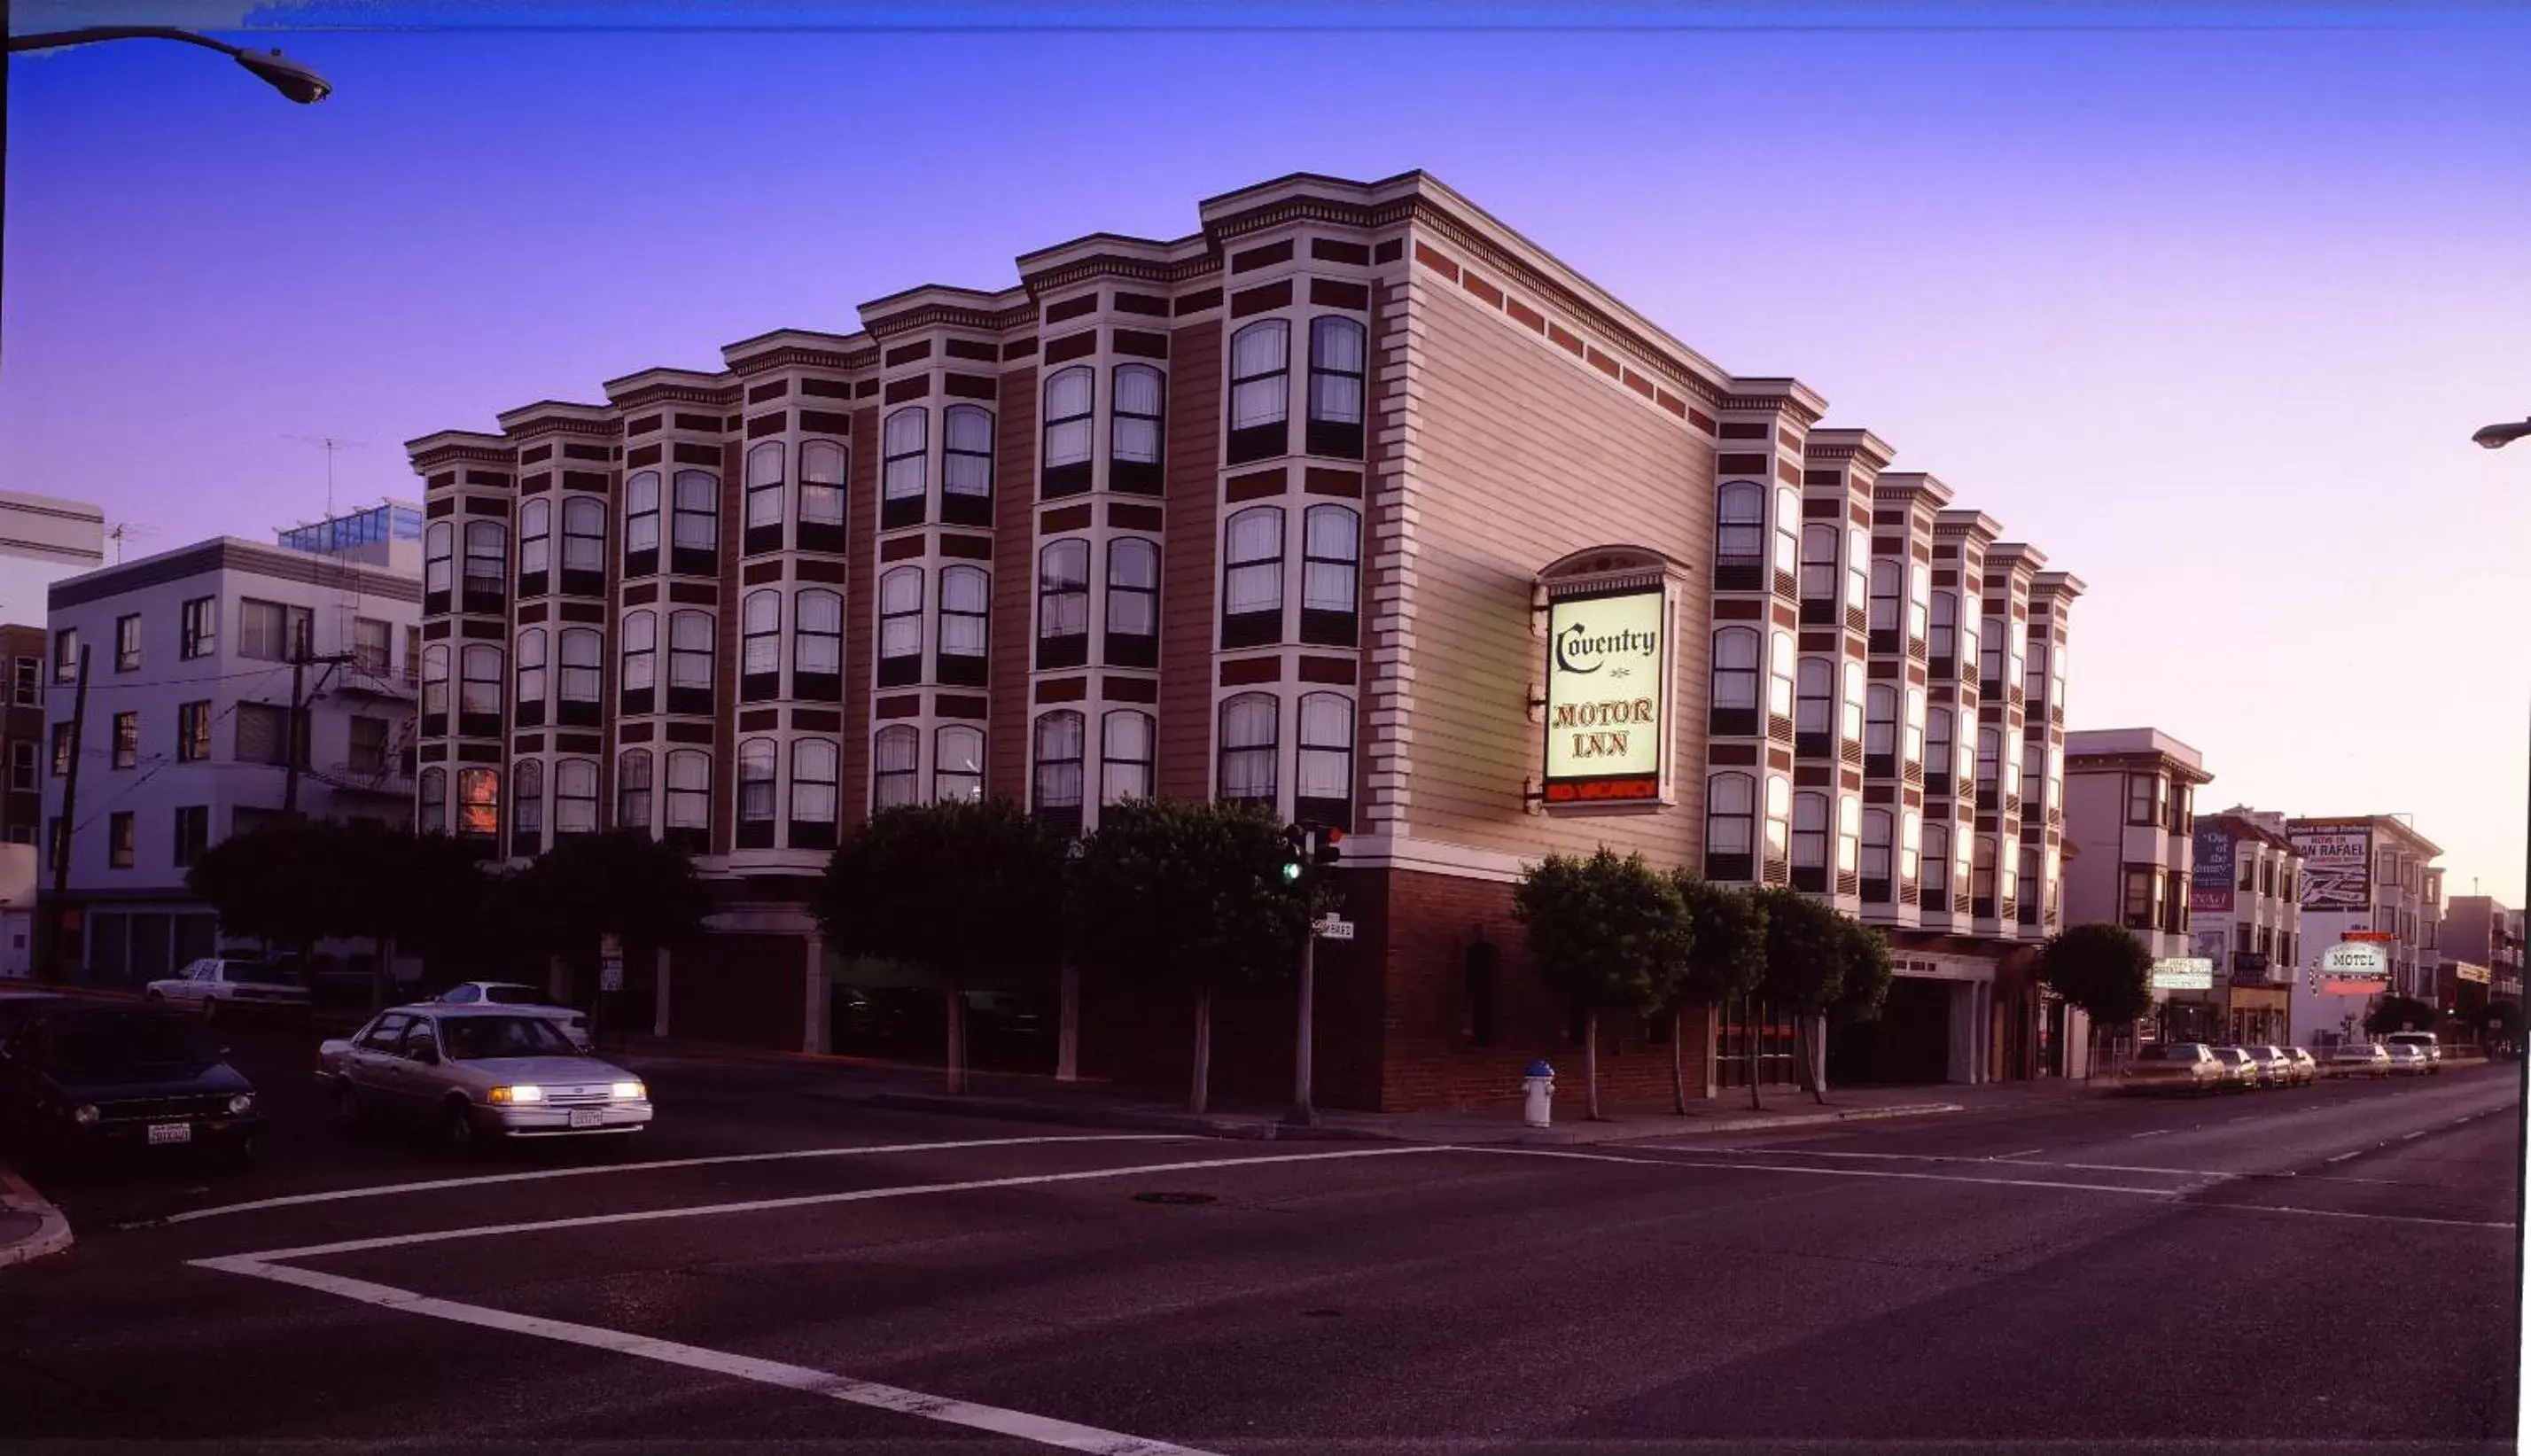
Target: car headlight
column 517, row 1095
column 85, row 1114
column 241, row 1104
column 628, row 1091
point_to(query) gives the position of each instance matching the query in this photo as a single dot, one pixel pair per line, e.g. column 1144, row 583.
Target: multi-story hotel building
column 2480, row 930
column 1317, row 507
column 2371, row 875
column 2244, row 916
column 2130, row 796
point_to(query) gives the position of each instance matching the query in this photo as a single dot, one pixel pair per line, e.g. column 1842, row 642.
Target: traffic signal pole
column 1314, row 849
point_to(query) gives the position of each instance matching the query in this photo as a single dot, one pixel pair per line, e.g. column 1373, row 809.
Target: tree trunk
column 1199, row 1085
column 1749, row 1048
column 956, row 1005
column 1591, row 1067
column 1677, row 1065
column 1819, row 1050
column 1067, row 1036
column 1803, row 1042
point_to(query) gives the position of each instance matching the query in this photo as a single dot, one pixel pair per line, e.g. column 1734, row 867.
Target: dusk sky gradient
column 2206, row 313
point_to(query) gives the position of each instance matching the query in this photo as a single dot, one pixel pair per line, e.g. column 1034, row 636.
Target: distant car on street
column 216, row 985
column 2426, row 1042
column 2173, row 1066
column 2278, row 1066
column 2407, row 1059
column 81, row 1077
column 2358, row 1059
column 477, row 1076
column 575, row 1024
column 2303, row 1059
column 2241, row 1072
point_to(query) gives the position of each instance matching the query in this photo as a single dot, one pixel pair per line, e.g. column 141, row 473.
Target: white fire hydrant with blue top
column 1540, row 1084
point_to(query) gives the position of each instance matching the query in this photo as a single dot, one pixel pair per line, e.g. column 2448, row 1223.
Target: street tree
column 1606, row 935
column 1726, row 960
column 2500, row 1020
column 2395, row 1013
column 2103, row 970
column 281, row 882
column 1191, row 898
column 588, row 886
column 965, row 891
column 401, row 890
column 1807, row 954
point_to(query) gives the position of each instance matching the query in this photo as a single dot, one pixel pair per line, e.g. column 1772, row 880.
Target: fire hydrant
column 1539, row 1084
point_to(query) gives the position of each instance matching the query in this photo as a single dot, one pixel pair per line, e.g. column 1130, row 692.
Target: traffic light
column 1295, row 852
column 1326, row 852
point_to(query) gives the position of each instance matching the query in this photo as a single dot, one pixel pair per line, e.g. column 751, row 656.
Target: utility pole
column 1313, row 851
column 299, row 661
column 60, row 848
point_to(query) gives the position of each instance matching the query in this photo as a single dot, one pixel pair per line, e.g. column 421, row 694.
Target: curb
column 52, row 1233
column 1689, row 1126
column 1244, row 1129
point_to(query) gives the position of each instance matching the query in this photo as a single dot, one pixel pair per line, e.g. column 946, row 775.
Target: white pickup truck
column 218, row 985
column 2427, row 1045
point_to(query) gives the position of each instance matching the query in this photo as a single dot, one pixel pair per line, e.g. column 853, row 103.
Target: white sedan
column 479, row 1075
column 219, row 983
column 574, row 1024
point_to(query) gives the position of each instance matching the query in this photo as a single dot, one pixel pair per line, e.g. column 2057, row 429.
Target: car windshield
column 117, row 1046
column 471, row 1038
column 2185, row 1051
column 262, row 973
column 513, row 995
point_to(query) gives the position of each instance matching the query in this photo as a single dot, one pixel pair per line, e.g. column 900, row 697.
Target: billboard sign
column 2210, row 881
column 2183, row 974
column 2337, row 870
column 1608, row 700
column 2353, row 967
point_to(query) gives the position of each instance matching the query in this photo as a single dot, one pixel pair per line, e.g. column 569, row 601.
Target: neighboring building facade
column 22, row 734
column 1315, row 508
column 2245, row 915
column 187, row 725
column 2370, row 874
column 2480, row 931
column 386, row 535
column 42, row 540
column 2130, row 796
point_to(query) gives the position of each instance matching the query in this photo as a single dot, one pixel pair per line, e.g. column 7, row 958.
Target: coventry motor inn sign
column 1608, row 704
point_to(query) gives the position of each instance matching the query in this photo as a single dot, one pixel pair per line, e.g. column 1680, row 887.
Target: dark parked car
column 79, row 1077
column 17, row 1003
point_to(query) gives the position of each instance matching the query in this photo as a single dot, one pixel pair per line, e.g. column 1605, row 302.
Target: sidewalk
column 1085, row 1103
column 30, row 1227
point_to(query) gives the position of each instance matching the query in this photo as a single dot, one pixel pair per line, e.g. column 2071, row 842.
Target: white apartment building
column 2245, row 915
column 2370, row 874
column 189, row 705
column 2130, row 811
column 42, row 540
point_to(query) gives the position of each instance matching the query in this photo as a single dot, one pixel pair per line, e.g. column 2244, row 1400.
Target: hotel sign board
column 2354, row 968
column 1608, row 699
column 2337, row 870
column 2210, row 885
column 2183, row 974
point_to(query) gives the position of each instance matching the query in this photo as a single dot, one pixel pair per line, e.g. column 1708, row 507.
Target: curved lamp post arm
column 2498, row 436
column 286, row 76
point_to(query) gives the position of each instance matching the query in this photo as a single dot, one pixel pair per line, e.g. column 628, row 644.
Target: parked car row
column 2196, row 1067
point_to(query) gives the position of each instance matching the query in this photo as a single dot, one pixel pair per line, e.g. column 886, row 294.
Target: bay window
column 688, row 822
column 1734, row 711
column 818, row 645
column 1336, row 360
column 641, row 676
column 1259, row 392
column 642, row 523
column 760, row 654
column 1740, row 536
column 966, row 605
column 690, row 662
column 695, row 534
column 1133, row 634
column 757, row 794
column 1730, row 826
column 1323, row 790
column 824, row 473
column 958, row 765
column 966, row 466
column 632, row 790
column 575, row 798
column 1063, row 603
column 900, row 626
column 579, row 705
column 1249, row 746
column 583, row 546
column 536, row 548
column 528, row 709
column 1252, row 586
column 1055, row 775
column 814, row 797
column 1134, row 432
column 1125, row 755
column 895, row 763
column 1330, row 576
column 904, row 467
column 1064, row 463
column 764, row 486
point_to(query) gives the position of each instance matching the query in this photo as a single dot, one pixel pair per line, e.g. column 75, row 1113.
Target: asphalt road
column 2330, row 1266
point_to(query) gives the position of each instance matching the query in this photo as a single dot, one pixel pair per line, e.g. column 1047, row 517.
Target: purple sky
column 2206, row 315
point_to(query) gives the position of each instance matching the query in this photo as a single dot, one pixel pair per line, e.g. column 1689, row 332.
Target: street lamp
column 2498, row 436
column 283, row 75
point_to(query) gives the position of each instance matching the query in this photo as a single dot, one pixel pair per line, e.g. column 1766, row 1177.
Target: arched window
column 1788, row 524
column 690, row 662
column 1132, row 636
column 818, row 645
column 695, row 534
column 1881, row 731
column 966, row 604
column 1940, row 755
column 1911, row 833
column 757, row 793
column 1055, row 786
column 1815, row 707
column 1943, row 642
column 479, row 802
column 434, row 692
column 760, row 654
column 1730, row 826
column 574, row 797
column 528, row 808
column 530, row 709
column 1252, row 586
column 1849, row 840
column 764, row 499
column 825, row 470
column 895, row 763
column 1070, row 397
column 1735, row 682
column 583, row 546
column 2016, row 646
column 1322, row 788
column 1125, row 744
column 1261, row 392
column 632, row 790
column 641, row 660
column 1852, row 720
column 432, row 817
column 689, row 800
column 1918, row 595
column 642, row 523
column 1819, row 573
column 1991, row 659
column 1913, row 746
column 536, row 548
column 478, row 691
column 958, row 765
column 1879, row 834
column 1936, row 895
column 1063, row 603
column 1133, row 433
column 1889, row 586
column 2023, row 893
column 2011, row 778
column 1249, row 746
column 438, row 562
column 578, row 703
column 966, row 466
column 1858, row 576
column 1779, row 683
column 1990, row 754
column 1330, row 576
column 1336, row 355
column 1780, row 817
column 905, row 441
column 814, row 796
column 1740, row 536
column 488, row 563
column 900, row 626
column 1982, row 877
column 1810, row 841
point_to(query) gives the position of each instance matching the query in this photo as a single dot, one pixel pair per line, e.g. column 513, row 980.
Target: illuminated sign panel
column 2183, row 974
column 1608, row 700
column 2353, row 967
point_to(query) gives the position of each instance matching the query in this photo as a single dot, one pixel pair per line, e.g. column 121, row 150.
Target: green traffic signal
column 1291, row 871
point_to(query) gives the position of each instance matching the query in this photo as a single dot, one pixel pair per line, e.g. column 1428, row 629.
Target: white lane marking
column 2371, row 1217
column 815, row 1200
column 1042, row 1429
column 2156, row 1133
column 2412, row 1136
column 2016, row 1158
column 2024, row 1153
column 300, row 1200
column 1666, row 1163
column 2342, row 1158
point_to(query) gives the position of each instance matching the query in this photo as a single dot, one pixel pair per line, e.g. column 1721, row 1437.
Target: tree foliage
column 1608, row 934
column 1727, row 952
column 966, row 891
column 2400, row 1014
column 1177, row 894
column 1806, row 952
column 2100, row 969
column 1866, row 972
column 622, row 883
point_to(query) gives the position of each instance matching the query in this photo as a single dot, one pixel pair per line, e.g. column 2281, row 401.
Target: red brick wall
column 1188, row 588
column 861, row 618
column 1010, row 637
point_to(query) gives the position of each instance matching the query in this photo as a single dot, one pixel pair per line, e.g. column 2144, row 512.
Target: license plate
column 171, row 1132
column 580, row 1118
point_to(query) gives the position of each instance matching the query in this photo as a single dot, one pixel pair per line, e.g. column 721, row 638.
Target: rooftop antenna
column 332, row 444
column 123, row 531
